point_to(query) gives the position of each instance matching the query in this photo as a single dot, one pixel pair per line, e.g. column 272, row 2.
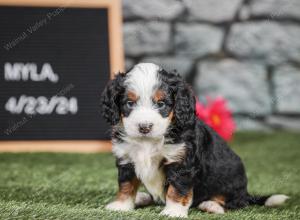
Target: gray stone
column 146, row 38
column 197, row 40
column 247, row 123
column 243, row 84
column 212, row 10
column 286, row 81
column 155, row 9
column 275, row 9
column 182, row 65
column 269, row 41
column 244, row 13
column 129, row 63
column 283, row 122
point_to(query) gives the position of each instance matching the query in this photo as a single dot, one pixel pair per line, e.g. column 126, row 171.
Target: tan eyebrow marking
column 159, row 95
column 132, row 96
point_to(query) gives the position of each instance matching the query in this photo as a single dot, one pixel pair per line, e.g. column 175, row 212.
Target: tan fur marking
column 128, row 189
column 132, row 96
column 159, row 95
column 173, row 195
column 219, row 199
column 171, row 115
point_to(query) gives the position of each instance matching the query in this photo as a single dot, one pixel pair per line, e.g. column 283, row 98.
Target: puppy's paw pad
column 120, row 206
column 174, row 213
column 211, row 207
column 143, row 199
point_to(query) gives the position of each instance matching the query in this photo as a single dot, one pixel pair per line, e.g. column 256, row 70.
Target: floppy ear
column 184, row 107
column 110, row 99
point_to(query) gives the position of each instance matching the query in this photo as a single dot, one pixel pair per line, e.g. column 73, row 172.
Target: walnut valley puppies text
column 31, row 105
column 31, row 29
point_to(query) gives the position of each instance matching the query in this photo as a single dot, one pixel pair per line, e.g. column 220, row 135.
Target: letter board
column 54, row 63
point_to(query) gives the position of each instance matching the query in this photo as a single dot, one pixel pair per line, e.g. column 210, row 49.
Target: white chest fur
column 148, row 171
column 146, row 157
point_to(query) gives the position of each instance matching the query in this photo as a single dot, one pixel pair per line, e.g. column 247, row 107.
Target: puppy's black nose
column 145, row 128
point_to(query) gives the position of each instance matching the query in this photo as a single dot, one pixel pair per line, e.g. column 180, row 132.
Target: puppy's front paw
column 120, row 206
column 175, row 213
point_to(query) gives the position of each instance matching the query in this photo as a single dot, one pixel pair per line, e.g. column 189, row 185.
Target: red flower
column 217, row 115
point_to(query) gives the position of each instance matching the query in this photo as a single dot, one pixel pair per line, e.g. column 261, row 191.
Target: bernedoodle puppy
column 160, row 143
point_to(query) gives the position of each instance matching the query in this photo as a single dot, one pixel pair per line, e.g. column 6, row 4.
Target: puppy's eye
column 161, row 104
column 130, row 104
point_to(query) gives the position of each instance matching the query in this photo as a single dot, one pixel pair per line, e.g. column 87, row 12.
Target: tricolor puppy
column 159, row 142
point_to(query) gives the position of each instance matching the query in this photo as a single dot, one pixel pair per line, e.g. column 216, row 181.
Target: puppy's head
column 147, row 100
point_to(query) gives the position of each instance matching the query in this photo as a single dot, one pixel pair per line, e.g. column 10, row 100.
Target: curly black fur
column 110, row 99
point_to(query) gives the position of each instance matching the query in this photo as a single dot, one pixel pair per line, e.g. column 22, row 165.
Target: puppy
column 159, row 142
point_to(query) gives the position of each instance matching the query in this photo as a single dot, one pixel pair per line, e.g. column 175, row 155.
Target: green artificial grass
column 77, row 186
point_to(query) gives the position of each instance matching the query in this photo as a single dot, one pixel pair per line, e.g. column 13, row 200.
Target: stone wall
column 245, row 50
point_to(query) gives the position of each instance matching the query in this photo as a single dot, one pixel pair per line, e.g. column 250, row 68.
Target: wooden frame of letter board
column 116, row 56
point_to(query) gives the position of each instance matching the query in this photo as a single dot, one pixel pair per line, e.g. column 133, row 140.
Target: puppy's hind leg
column 211, row 207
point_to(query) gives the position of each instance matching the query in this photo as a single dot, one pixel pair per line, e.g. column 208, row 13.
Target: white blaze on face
column 143, row 80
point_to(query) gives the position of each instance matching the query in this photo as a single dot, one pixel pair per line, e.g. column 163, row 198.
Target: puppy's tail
column 269, row 201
